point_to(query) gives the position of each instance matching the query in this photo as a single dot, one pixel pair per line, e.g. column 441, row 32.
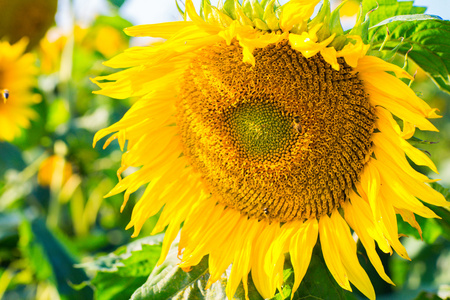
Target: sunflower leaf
column 169, row 281
column 425, row 40
column 129, row 265
column 407, row 18
column 381, row 10
column 11, row 158
column 318, row 282
column 51, row 259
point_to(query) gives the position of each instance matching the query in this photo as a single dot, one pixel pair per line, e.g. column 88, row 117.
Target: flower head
column 264, row 132
column 17, row 76
column 54, row 170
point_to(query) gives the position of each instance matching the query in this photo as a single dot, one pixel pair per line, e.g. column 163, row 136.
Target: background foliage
column 59, row 238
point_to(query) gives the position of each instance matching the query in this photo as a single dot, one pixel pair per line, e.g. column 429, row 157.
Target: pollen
column 285, row 139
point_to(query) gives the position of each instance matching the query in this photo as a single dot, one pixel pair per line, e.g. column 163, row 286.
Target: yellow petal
column 307, row 44
column 406, row 113
column 352, row 53
column 371, row 183
column 329, row 55
column 364, row 217
column 409, row 217
column 296, row 12
column 265, row 284
column 361, row 225
column 190, row 10
column 161, row 30
column 392, row 87
column 242, row 249
column 373, row 64
column 408, row 130
column 417, row 156
column 300, row 249
column 330, row 249
column 347, row 248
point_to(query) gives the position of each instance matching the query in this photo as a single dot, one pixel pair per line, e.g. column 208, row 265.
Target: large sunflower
column 17, row 76
column 264, row 132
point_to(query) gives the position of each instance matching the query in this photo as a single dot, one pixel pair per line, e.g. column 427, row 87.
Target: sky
column 156, row 11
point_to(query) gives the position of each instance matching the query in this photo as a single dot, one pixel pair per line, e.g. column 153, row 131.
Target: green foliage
column 117, row 3
column 51, row 259
column 380, row 10
column 425, row 40
column 11, row 158
column 427, row 296
column 129, row 265
column 318, row 282
column 169, row 281
column 400, row 27
column 58, row 114
column 425, row 269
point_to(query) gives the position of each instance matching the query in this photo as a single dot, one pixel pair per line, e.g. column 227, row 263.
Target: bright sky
column 156, row 11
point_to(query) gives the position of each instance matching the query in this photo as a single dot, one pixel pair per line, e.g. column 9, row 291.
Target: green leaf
column 426, row 42
column 129, row 265
column 51, row 259
column 129, row 256
column 117, row 3
column 116, row 22
column 442, row 212
column 9, row 224
column 381, row 10
column 169, row 281
column 11, row 158
column 318, row 282
column 58, row 114
column 427, row 296
column 407, row 18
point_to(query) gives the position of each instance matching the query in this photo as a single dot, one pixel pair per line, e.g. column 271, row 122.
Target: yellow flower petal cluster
column 262, row 138
column 17, row 77
column 54, row 169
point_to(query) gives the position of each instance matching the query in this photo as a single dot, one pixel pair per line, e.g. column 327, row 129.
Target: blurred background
column 54, row 220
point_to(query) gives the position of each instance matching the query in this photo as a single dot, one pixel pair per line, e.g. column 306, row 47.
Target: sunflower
column 264, row 132
column 17, row 76
column 54, row 171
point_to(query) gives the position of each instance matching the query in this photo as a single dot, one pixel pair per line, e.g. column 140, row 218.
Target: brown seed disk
column 282, row 140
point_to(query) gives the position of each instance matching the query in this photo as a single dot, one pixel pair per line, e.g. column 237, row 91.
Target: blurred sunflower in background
column 54, row 169
column 26, row 18
column 17, row 77
column 265, row 132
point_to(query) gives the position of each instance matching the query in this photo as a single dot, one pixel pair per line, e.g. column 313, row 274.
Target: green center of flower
column 260, row 129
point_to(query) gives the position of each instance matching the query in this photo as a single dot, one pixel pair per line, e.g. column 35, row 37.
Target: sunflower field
column 233, row 149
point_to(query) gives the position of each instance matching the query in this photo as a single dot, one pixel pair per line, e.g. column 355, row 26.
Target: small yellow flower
column 17, row 76
column 50, row 50
column 54, row 169
column 109, row 41
column 262, row 136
